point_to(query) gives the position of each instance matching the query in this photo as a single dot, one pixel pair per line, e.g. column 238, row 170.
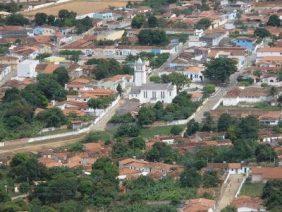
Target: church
column 149, row 92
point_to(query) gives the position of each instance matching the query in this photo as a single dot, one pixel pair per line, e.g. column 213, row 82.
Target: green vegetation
column 261, row 33
column 273, row 21
column 204, row 23
column 101, row 102
column 108, row 67
column 208, row 89
column 10, row 7
column 126, row 118
column 162, row 152
column 155, row 60
column 219, row 69
column 252, row 189
column 160, row 130
column 272, row 195
column 152, row 37
column 16, row 19
column 98, row 136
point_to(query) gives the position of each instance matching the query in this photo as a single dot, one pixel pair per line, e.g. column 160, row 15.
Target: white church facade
column 150, row 92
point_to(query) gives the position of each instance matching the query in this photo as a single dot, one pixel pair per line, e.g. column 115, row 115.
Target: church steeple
column 139, row 73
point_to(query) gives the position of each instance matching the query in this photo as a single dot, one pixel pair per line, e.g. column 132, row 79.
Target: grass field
column 252, row 189
column 80, row 7
column 152, row 131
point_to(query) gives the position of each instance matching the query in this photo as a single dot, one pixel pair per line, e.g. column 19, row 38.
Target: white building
column 269, row 52
column 5, row 71
column 27, row 68
column 247, row 95
column 150, row 92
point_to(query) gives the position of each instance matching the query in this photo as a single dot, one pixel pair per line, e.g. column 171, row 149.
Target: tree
column 264, row 152
column 152, row 21
column 40, row 19
column 210, row 179
column 272, row 195
column 104, row 174
column 248, row 128
column 34, row 96
column 52, row 117
column 204, row 24
column 119, row 89
column 273, row 91
column 146, row 116
column 51, row 20
column 220, row 69
column 190, row 178
column 177, row 79
column 192, row 127
column 12, row 94
column 137, row 143
column 257, row 73
column 16, row 20
column 61, row 76
column 224, row 122
column 176, row 130
column 25, row 168
column 83, row 25
column 208, row 123
column 229, row 209
column 101, row 102
column 138, row 21
column 127, row 130
column 155, row 79
column 261, row 32
column 162, row 152
column 208, row 89
column 273, row 21
column 152, row 37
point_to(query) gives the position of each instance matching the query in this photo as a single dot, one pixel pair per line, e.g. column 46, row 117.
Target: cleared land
column 252, row 189
column 80, row 6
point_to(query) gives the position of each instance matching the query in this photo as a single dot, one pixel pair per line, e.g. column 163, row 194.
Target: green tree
column 192, row 127
column 137, row 143
column 177, row 79
column 190, row 178
column 204, row 23
column 152, row 37
column 146, row 116
column 273, row 21
column 162, row 152
column 16, row 20
column 220, row 69
column 261, row 33
column 119, row 89
column 210, row 179
column 104, row 174
column 128, row 130
column 155, row 79
column 12, row 94
column 34, row 96
column 61, row 76
column 208, row 89
column 152, row 21
column 52, row 117
column 40, row 19
column 224, row 122
column 176, row 130
column 264, row 152
column 229, row 209
column 208, row 123
column 25, row 168
column 83, row 25
column 51, row 20
column 138, row 21
column 248, row 128
column 271, row 195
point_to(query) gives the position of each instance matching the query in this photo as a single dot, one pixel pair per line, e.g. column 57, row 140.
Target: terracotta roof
column 247, row 92
column 234, row 165
column 270, row 49
column 268, row 173
column 198, row 205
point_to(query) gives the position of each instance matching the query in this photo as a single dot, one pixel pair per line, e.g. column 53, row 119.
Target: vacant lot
column 80, row 6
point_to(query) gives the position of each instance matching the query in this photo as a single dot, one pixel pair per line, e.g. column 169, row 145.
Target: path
column 229, row 191
column 24, row 146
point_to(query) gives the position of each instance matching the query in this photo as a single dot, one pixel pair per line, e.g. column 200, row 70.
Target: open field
column 80, row 6
column 252, row 189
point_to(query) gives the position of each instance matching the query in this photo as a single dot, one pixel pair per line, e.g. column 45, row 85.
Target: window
column 154, row 94
column 162, row 94
column 145, row 94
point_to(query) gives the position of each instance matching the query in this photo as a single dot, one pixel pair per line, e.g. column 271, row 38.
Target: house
column 248, row 204
column 112, row 82
column 245, row 42
column 263, row 174
column 269, row 52
column 150, row 92
column 198, row 205
column 230, row 168
column 194, row 73
column 44, row 31
column 247, row 95
column 214, row 38
column 10, row 60
column 27, row 68
column 131, row 168
column 12, row 32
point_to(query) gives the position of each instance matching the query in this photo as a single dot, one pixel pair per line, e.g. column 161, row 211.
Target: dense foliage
column 152, row 37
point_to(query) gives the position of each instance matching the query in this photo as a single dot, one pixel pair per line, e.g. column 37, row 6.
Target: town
column 141, row 105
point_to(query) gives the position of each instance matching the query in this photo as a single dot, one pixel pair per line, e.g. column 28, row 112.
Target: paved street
column 229, row 191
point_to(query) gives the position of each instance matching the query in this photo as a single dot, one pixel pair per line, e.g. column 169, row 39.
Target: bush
column 176, row 130
column 128, row 130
